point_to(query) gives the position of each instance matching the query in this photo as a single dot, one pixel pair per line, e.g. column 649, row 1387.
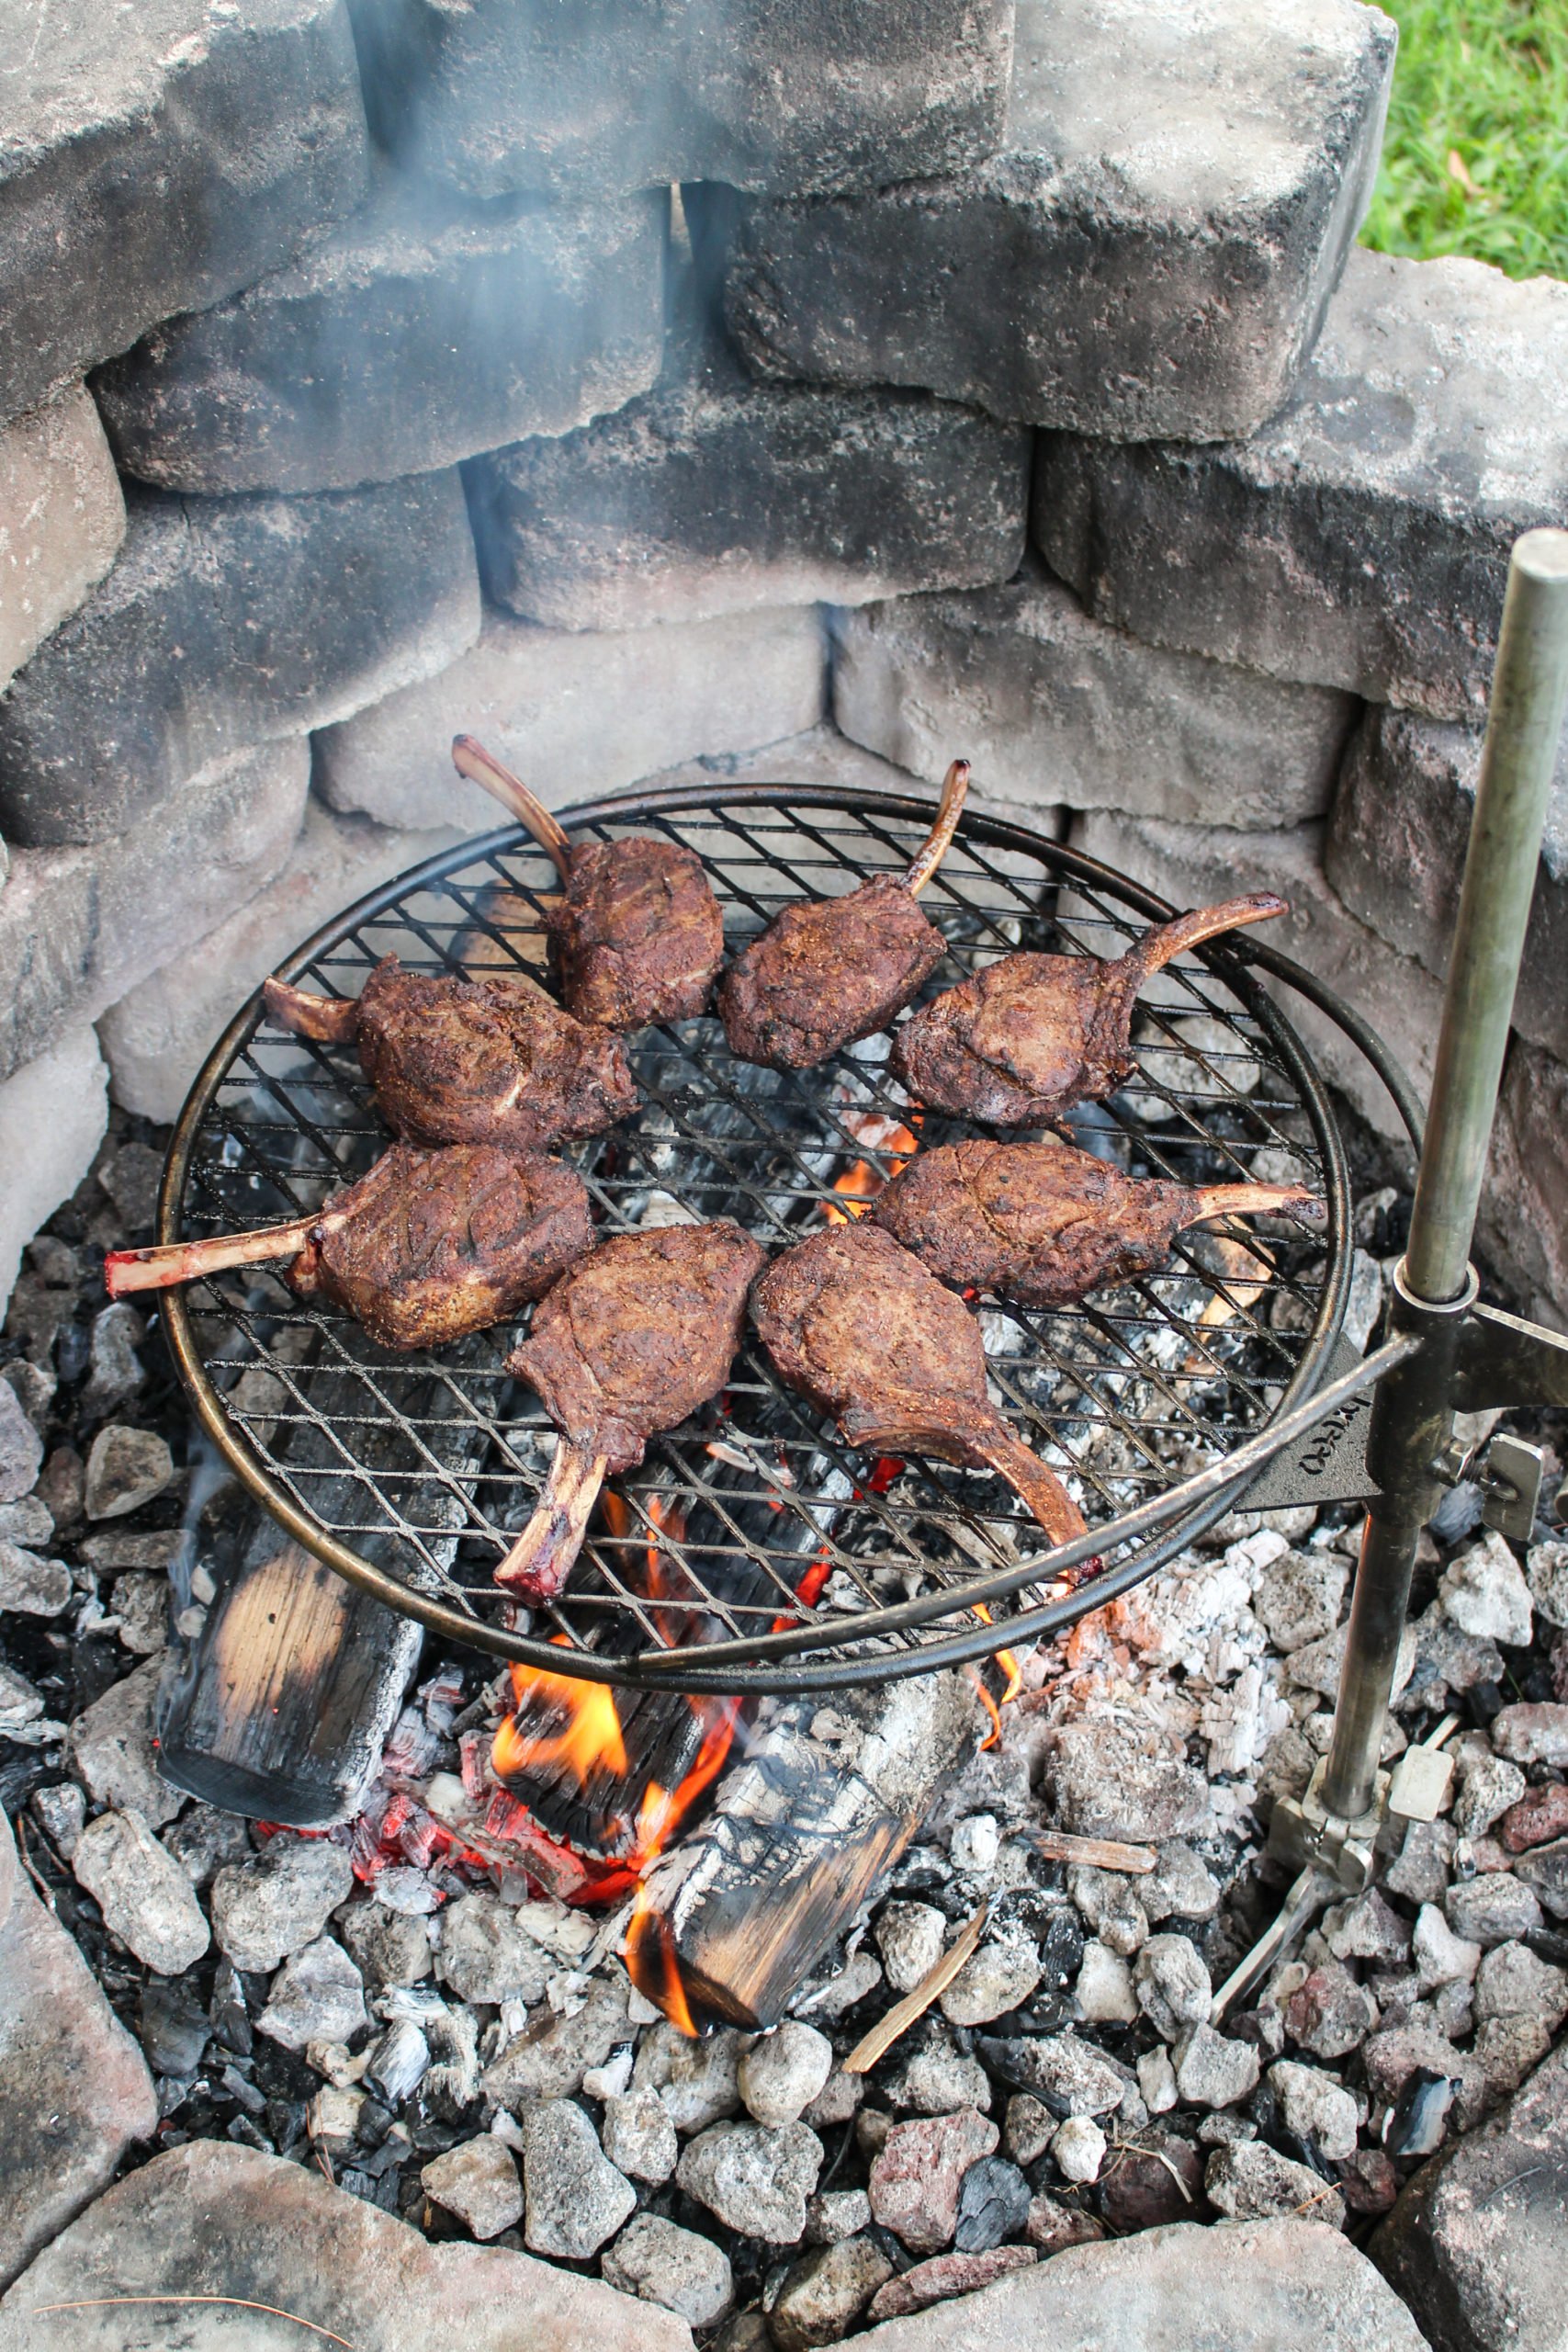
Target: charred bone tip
column 939, row 840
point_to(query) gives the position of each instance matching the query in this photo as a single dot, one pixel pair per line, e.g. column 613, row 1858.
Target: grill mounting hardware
column 1161, row 1399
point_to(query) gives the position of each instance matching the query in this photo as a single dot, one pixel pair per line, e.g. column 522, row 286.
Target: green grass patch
column 1475, row 160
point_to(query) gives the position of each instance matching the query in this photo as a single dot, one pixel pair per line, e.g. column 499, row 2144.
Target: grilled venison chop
column 1045, row 1223
column 858, row 1326
column 470, row 1061
column 1031, row 1035
column 637, row 935
column 426, row 1246
column 629, row 1343
column 826, row 971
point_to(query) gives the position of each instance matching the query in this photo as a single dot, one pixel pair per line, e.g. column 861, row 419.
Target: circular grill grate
column 754, row 1550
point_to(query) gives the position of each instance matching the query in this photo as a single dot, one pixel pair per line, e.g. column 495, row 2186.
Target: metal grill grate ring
column 754, row 1550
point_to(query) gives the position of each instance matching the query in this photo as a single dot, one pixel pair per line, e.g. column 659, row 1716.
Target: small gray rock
column 275, row 1903
column 1547, row 1571
column 1214, row 2070
column 824, row 2294
column 1441, row 1956
column 836, row 2214
column 687, row 2274
column 576, row 2198
column 754, row 2180
column 21, row 1448
column 1330, row 2013
column 387, row 1946
column 1511, row 1982
column 911, row 1937
column 1172, row 1986
column 781, row 2073
column 1315, row 2108
column 1113, row 1906
column 114, row 1367
column 697, row 2080
column 1367, row 1929
column 60, row 1812
column 1533, row 1732
column 1105, row 1785
column 1484, row 1591
column 640, row 2138
column 31, row 1586
column 997, row 1977
column 1420, row 1870
column 126, row 1467
column 1545, row 1872
column 552, row 2063
column 111, row 1748
column 28, row 1521
column 140, row 1601
column 478, row 2182
column 935, row 2077
column 1069, row 2076
column 1494, row 1909
column 317, row 1996
column 205, row 1839
column 1250, row 2181
column 487, row 1956
column 145, row 1897
column 1077, row 2149
column 1104, row 1993
column 1180, row 1885
column 1299, row 1597
column 1488, row 1786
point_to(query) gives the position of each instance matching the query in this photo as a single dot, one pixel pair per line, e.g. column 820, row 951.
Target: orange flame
column 1014, row 1673
column 859, row 1185
column 590, row 1740
column 652, row 1962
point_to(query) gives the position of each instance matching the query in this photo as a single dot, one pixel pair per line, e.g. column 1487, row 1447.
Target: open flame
column 1014, row 1673
column 590, row 1739
column 860, row 1184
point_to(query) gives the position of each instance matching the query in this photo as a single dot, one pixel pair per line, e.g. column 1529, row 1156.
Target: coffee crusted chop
column 1045, row 1223
column 470, row 1061
column 630, row 1343
column 636, row 935
column 426, row 1247
column 1031, row 1035
column 857, row 1325
column 828, row 971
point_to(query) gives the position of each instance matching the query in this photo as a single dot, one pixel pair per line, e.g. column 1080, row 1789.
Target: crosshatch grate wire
column 1124, row 1395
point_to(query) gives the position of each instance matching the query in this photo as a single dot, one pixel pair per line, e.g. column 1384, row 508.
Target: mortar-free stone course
column 226, row 623
column 62, row 519
column 1052, row 705
column 154, row 159
column 503, row 95
column 1360, row 539
column 715, row 493
column 1150, row 251
column 415, row 332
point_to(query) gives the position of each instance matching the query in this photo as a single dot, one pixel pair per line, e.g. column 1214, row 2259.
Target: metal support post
column 1412, row 1421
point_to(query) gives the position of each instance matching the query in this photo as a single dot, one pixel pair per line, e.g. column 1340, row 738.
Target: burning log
column 637, row 935
column 816, row 1811
column 470, row 1061
column 1023, row 1040
column 426, row 1247
column 828, row 971
column 297, row 1678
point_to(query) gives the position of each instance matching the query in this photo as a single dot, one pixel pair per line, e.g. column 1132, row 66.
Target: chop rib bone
column 481, row 767
column 166, row 1263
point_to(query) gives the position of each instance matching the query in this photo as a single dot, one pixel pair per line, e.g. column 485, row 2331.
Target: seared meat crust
column 430, row 1245
column 639, row 1336
column 826, row 972
column 637, row 936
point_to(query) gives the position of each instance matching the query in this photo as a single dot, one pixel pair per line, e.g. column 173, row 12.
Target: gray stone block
column 153, row 159
column 1150, row 251
column 226, row 622
column 615, row 95
column 414, row 333
column 1195, row 866
column 576, row 715
column 62, row 520
column 53, row 1114
column 1524, row 1211
column 1474, row 2245
column 714, row 493
column 1395, row 854
column 1362, row 539
column 161, row 1032
column 80, row 927
column 1051, row 706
